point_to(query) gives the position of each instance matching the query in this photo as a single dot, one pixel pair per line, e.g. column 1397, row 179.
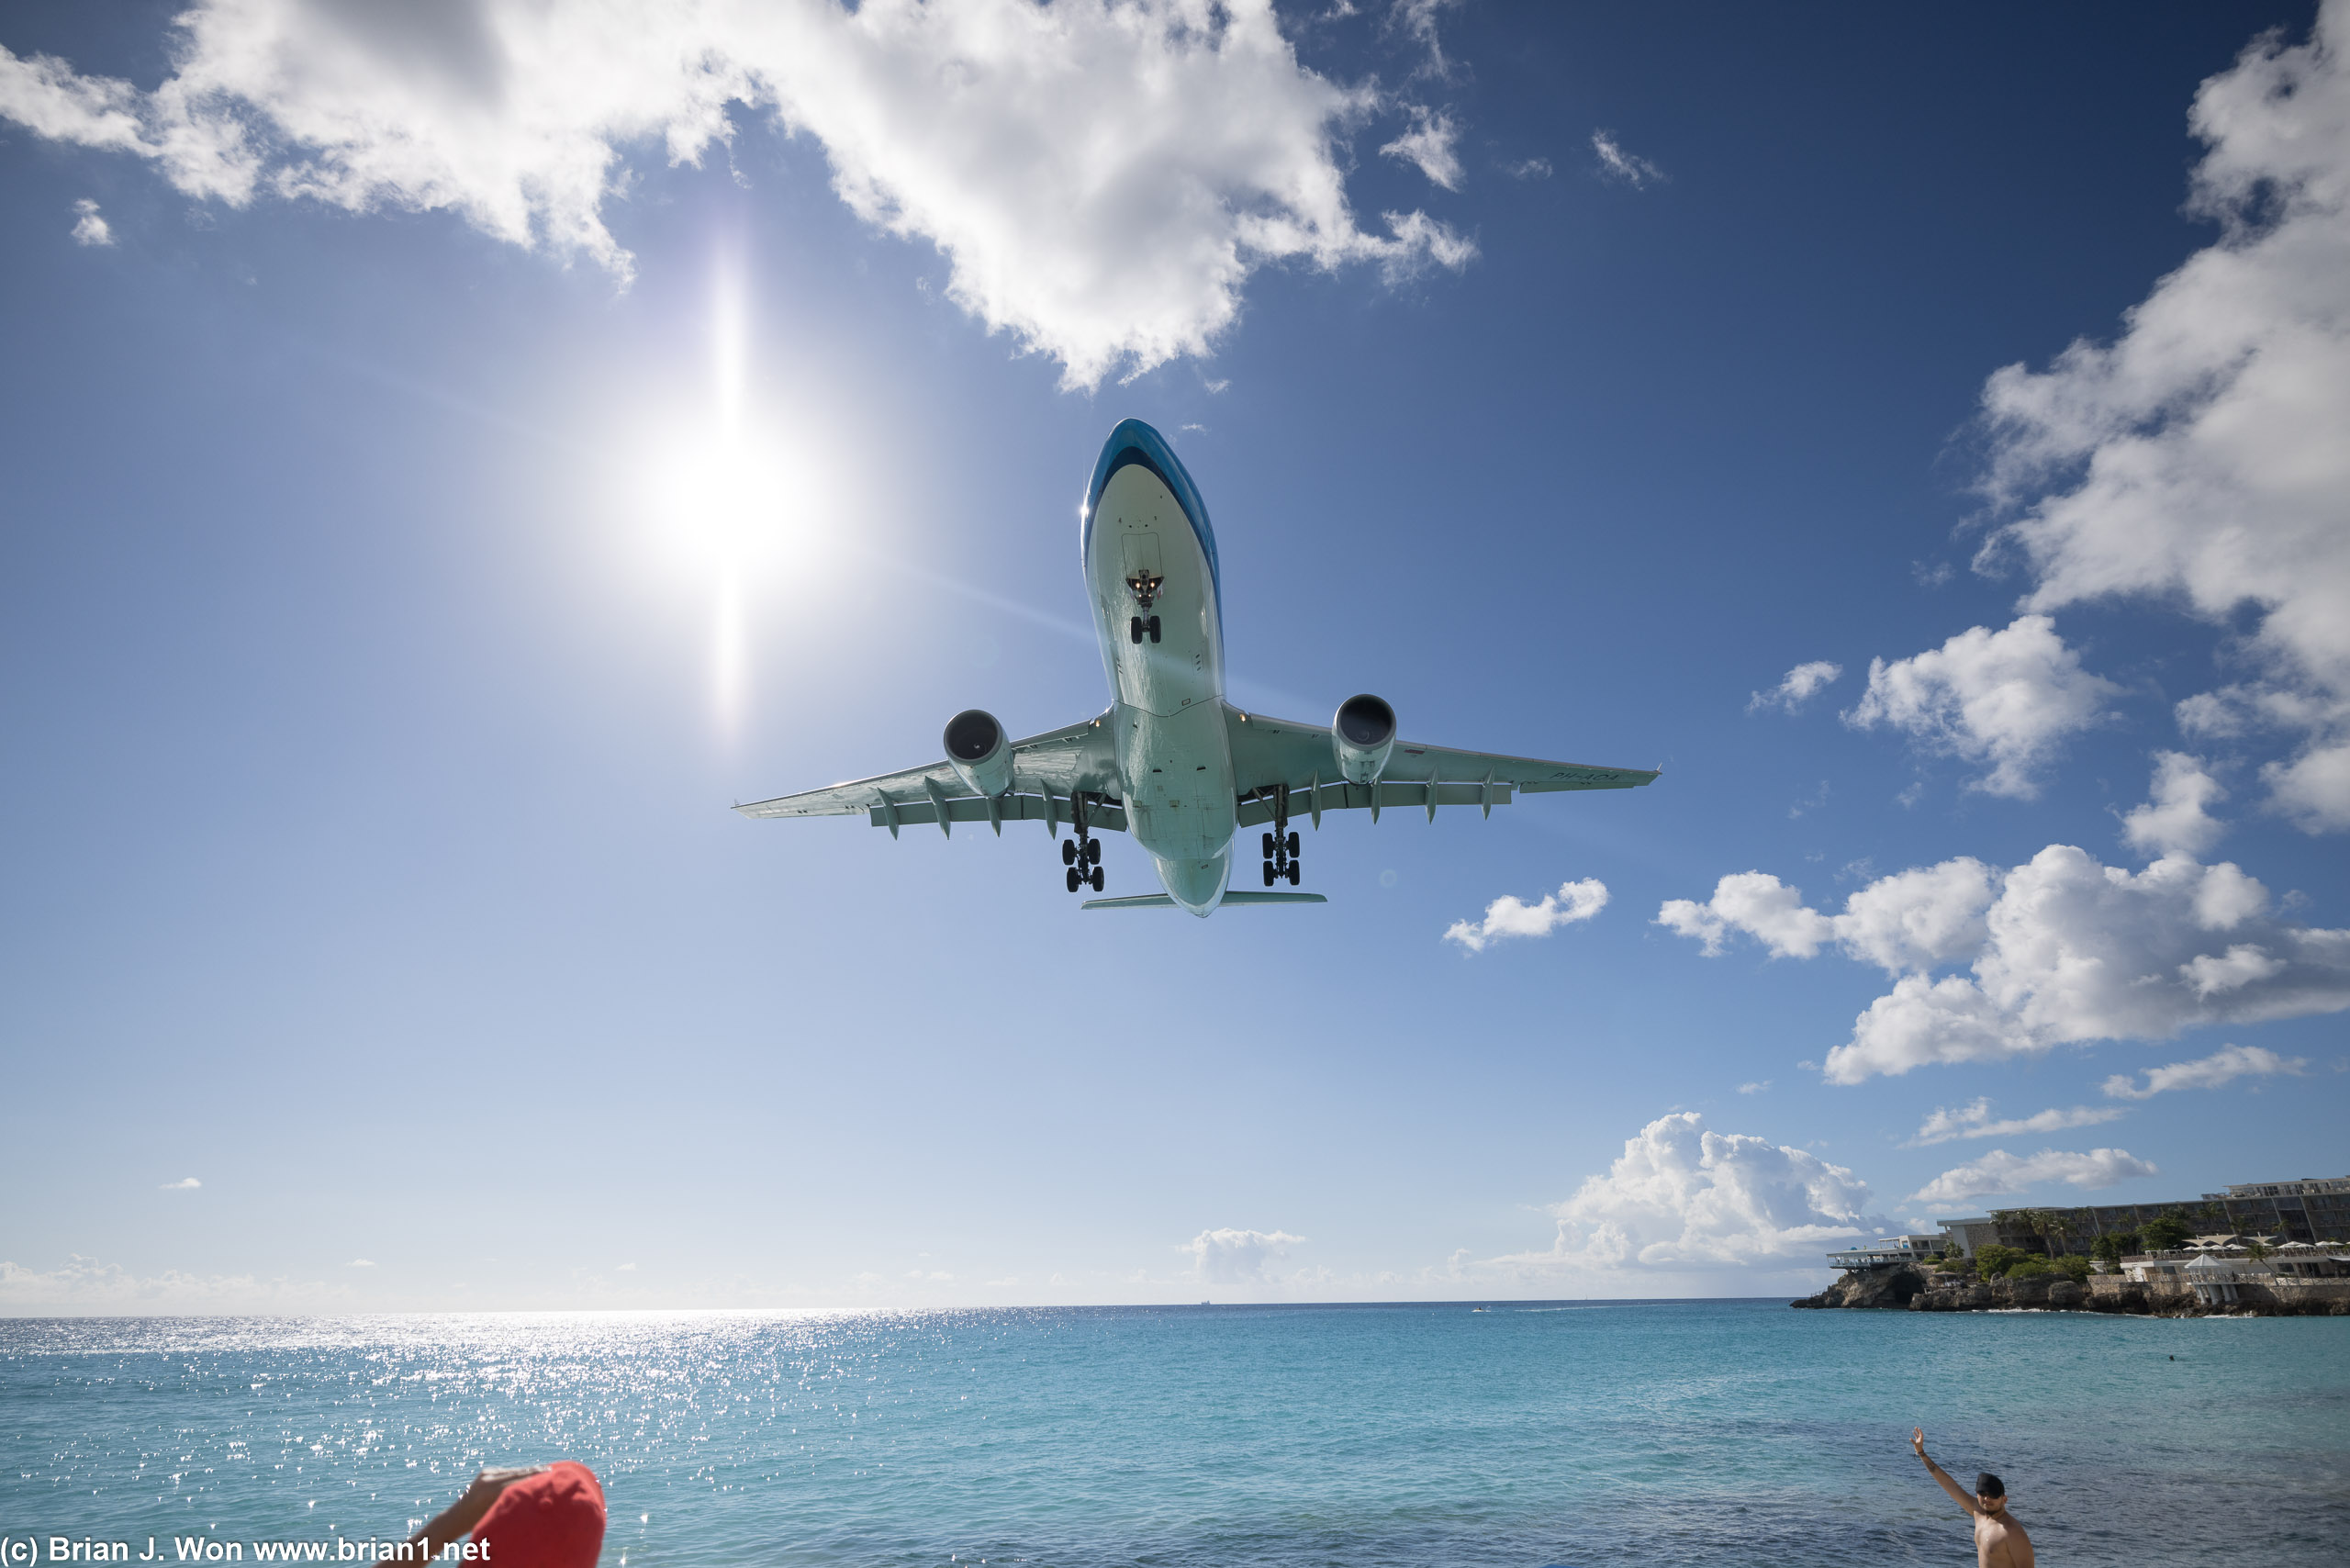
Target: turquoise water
column 1669, row 1432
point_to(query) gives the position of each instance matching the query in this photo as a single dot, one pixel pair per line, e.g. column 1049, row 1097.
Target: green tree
column 2074, row 1267
column 2166, row 1234
column 1995, row 1261
column 2254, row 1250
column 2114, row 1246
column 2028, row 1267
column 2047, row 1225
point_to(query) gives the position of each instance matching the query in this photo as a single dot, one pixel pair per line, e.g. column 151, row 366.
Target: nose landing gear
column 1281, row 844
column 1082, row 854
column 1139, row 626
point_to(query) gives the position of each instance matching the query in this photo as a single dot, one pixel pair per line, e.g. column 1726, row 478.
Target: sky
column 451, row 454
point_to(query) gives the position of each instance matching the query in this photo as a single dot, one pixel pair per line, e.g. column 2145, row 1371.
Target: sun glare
column 735, row 496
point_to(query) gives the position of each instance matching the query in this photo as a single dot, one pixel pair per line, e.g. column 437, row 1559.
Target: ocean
column 1527, row 1434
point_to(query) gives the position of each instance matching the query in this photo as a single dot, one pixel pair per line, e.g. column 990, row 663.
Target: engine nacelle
column 1363, row 733
column 979, row 752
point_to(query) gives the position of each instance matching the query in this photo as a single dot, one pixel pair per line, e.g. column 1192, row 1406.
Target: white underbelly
column 1177, row 770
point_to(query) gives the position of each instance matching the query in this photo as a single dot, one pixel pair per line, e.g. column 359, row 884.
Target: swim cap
column 553, row 1519
column 1989, row 1486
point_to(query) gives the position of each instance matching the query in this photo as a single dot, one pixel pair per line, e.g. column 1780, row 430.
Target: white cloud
column 2006, row 698
column 1797, row 687
column 2174, row 822
column 2076, row 951
column 1531, row 168
column 2060, row 949
column 1430, row 146
column 1230, row 1257
column 89, row 228
column 2000, row 1172
column 1418, row 19
column 2222, row 1065
column 1682, row 1197
column 1759, row 1086
column 185, row 1185
column 1102, row 178
column 1615, row 163
column 361, row 1263
column 1912, row 920
column 1975, row 1121
column 86, row 1286
column 1510, row 916
column 624, row 1269
column 2198, row 460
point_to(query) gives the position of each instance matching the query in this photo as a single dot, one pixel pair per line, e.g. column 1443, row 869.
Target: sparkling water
column 1520, row 1434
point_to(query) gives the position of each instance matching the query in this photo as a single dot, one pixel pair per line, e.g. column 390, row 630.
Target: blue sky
column 446, row 464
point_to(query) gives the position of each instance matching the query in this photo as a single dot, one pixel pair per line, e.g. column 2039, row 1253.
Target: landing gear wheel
column 1292, row 847
column 1096, row 879
column 1269, row 846
column 1068, row 852
column 1075, row 878
column 1134, row 629
column 1152, row 627
column 1268, row 873
column 1293, row 873
column 1093, row 852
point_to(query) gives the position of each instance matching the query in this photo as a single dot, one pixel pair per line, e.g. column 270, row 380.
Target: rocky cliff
column 1900, row 1286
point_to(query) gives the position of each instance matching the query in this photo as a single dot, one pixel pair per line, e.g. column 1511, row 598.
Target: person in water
column 546, row 1515
column 1999, row 1541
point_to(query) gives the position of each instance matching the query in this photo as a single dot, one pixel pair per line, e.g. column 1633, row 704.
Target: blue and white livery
column 1170, row 761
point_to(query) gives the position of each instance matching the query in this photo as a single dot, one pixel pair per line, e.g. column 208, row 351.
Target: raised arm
column 1958, row 1493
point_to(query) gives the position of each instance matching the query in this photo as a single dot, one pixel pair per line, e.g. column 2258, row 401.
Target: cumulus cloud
column 1230, row 1257
column 1429, row 145
column 1912, row 920
column 1615, row 163
column 1681, row 1197
column 2175, row 821
column 361, row 1263
column 1510, row 916
column 1796, row 687
column 89, row 228
column 2060, row 949
column 185, row 1185
column 2006, row 698
column 2224, row 1066
column 2198, row 460
column 1100, row 178
column 1757, row 1087
column 1976, row 1121
column 2080, row 951
column 2000, row 1172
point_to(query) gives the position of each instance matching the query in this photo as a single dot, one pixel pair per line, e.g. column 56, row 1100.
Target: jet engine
column 1363, row 733
column 979, row 752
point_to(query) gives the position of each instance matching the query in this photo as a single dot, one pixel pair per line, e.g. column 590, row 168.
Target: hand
column 1918, row 1440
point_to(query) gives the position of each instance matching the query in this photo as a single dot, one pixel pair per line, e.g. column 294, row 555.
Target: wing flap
column 1099, row 814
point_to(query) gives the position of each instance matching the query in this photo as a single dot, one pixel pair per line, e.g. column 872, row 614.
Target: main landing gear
column 1281, row 844
column 1081, row 854
column 1141, row 626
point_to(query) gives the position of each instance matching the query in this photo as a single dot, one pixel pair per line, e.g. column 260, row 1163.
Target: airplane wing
column 1046, row 770
column 1268, row 752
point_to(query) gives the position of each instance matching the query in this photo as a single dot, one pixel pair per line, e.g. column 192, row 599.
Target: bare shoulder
column 2002, row 1541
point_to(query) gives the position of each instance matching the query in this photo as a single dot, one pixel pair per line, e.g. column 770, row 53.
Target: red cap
column 553, row 1519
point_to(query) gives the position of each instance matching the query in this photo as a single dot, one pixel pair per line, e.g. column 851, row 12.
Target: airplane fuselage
column 1151, row 574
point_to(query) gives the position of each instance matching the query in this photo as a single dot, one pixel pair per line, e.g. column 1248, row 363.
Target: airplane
column 1169, row 760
